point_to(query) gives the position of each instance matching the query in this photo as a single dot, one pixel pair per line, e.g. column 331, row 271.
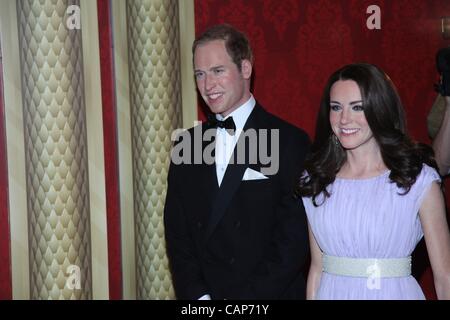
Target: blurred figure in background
column 439, row 116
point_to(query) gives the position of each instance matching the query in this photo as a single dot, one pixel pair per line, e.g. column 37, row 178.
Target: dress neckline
column 365, row 179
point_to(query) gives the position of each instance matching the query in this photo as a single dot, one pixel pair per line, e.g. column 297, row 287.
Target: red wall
column 299, row 43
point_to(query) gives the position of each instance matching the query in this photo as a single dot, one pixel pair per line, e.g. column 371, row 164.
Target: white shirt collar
column 241, row 114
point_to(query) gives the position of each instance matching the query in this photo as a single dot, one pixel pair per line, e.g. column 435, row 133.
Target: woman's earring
column 335, row 140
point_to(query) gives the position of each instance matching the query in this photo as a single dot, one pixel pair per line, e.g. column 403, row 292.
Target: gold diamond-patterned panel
column 56, row 151
column 155, row 96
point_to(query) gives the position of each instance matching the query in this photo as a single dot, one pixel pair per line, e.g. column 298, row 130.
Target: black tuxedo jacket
column 244, row 239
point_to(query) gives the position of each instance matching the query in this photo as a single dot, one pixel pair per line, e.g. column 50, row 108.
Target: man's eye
column 198, row 75
column 218, row 71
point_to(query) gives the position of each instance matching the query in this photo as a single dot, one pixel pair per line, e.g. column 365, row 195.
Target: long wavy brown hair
column 385, row 116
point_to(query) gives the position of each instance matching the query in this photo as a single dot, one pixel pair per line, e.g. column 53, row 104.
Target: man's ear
column 246, row 69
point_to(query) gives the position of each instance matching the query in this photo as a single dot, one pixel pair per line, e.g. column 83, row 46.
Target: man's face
column 223, row 87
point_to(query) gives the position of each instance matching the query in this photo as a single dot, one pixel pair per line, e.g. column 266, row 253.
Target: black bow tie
column 227, row 124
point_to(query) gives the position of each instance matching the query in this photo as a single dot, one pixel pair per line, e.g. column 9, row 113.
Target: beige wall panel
column 155, row 96
column 189, row 107
column 55, row 151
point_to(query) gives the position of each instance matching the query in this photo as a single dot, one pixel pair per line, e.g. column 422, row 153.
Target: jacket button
column 231, row 261
column 199, row 225
column 237, row 224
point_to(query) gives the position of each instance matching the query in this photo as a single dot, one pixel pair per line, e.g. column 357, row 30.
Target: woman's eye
column 335, row 107
column 358, row 107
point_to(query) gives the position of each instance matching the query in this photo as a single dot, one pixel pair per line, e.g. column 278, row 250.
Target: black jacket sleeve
column 184, row 263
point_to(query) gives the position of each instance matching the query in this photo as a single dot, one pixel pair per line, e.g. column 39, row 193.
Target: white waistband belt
column 369, row 268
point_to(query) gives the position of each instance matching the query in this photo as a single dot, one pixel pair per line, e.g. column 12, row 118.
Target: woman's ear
column 246, row 69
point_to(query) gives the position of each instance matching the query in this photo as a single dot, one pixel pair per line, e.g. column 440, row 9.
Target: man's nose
column 210, row 82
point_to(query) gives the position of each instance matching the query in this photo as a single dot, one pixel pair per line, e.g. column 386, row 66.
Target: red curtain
column 299, row 43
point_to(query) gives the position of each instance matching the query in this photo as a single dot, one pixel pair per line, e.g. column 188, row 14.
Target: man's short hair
column 236, row 42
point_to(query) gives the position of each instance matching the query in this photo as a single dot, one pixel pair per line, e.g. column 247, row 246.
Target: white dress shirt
column 225, row 142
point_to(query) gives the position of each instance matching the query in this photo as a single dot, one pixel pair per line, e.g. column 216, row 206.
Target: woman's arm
column 437, row 238
column 315, row 270
column 441, row 144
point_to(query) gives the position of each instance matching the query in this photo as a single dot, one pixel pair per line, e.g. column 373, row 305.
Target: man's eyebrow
column 210, row 69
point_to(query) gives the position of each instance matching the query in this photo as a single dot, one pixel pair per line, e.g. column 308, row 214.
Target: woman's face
column 347, row 118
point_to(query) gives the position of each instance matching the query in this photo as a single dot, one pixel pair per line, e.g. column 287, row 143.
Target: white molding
column 94, row 129
column 188, row 88
column 16, row 150
column 124, row 148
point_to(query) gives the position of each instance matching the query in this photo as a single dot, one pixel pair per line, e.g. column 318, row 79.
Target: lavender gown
column 367, row 218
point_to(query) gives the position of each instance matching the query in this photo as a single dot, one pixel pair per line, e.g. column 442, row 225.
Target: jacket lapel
column 231, row 181
column 208, row 175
